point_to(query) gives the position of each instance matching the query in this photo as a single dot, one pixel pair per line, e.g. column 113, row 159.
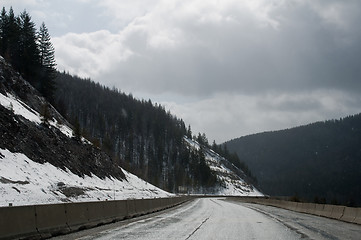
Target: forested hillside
column 318, row 162
column 140, row 135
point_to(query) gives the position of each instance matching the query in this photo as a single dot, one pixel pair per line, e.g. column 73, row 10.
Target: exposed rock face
column 46, row 143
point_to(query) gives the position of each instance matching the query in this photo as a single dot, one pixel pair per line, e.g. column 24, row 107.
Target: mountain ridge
column 316, row 162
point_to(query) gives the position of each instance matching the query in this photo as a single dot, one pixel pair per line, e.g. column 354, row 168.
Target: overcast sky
column 226, row 67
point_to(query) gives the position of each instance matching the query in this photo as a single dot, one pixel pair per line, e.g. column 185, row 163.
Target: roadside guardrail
column 44, row 221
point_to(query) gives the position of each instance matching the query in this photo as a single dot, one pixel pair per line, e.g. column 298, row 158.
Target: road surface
column 220, row 219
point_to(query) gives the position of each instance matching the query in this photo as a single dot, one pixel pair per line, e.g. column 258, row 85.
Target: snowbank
column 25, row 182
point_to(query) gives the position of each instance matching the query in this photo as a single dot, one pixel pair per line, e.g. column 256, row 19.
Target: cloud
column 193, row 47
column 89, row 54
column 227, row 116
column 247, row 65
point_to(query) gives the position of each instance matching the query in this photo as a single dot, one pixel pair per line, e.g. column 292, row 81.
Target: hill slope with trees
column 138, row 135
column 317, row 162
column 141, row 136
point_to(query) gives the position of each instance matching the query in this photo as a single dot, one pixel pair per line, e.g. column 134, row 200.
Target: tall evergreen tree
column 29, row 52
column 3, row 27
column 47, row 61
column 11, row 46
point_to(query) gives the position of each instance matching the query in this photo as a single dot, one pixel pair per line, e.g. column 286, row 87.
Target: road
column 220, row 219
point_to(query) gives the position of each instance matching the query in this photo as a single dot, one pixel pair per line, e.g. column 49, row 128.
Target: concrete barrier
column 278, row 203
column 51, row 220
column 309, row 208
column 121, row 210
column 327, row 211
column 96, row 213
column 131, row 211
column 301, row 207
column 109, row 211
column 337, row 212
column 358, row 216
column 319, row 210
column 156, row 204
column 164, row 202
column 17, row 222
column 290, row 205
column 349, row 214
column 77, row 216
column 142, row 206
column 150, row 204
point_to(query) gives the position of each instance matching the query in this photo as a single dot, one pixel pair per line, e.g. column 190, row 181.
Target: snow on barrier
column 43, row 221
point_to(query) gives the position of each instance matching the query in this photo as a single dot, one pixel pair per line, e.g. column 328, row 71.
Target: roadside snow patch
column 25, row 182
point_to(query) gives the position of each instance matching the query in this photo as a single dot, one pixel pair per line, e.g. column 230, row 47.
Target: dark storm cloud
column 241, row 54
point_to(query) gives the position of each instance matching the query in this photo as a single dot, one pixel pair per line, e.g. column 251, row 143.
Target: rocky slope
column 39, row 154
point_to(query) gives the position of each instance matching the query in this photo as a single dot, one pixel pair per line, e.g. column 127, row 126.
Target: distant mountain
column 318, row 162
column 141, row 136
column 43, row 161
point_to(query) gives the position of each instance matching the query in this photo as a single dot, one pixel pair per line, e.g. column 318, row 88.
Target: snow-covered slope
column 20, row 108
column 231, row 183
column 43, row 163
column 24, row 182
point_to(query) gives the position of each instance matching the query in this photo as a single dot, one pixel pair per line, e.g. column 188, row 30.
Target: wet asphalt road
column 220, row 219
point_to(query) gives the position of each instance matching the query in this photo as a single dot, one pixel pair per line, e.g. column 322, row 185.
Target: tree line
column 29, row 51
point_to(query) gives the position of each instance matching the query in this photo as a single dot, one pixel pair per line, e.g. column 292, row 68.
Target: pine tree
column 29, row 52
column 45, row 115
column 3, row 27
column 77, row 130
column 47, row 61
column 10, row 37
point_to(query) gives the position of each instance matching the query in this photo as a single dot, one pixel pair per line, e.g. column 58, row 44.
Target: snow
column 232, row 184
column 25, row 182
column 20, row 108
